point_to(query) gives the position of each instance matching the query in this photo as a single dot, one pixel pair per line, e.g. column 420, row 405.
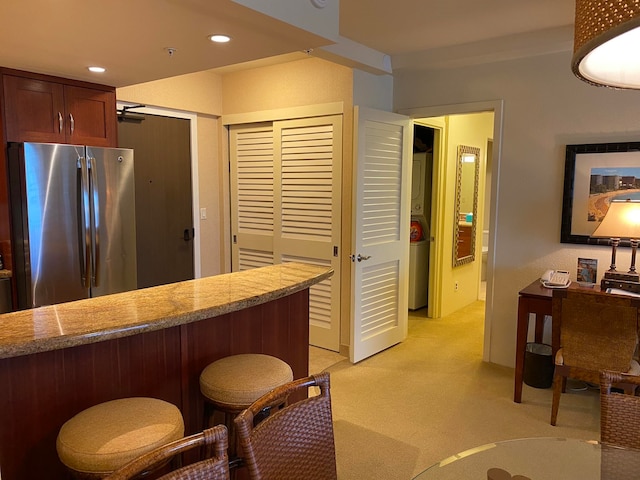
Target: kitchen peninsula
column 60, row 359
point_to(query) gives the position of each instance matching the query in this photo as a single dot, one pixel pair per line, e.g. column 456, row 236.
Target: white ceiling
column 129, row 37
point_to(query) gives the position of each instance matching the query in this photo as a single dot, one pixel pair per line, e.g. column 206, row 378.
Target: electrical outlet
column 456, row 286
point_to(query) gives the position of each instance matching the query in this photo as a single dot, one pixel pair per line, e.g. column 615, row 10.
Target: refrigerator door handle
column 95, row 221
column 83, row 221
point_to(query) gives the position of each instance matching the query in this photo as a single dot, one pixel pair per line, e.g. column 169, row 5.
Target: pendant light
column 607, row 43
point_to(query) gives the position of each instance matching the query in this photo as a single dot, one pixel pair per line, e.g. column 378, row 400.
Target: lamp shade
column 606, row 43
column 621, row 221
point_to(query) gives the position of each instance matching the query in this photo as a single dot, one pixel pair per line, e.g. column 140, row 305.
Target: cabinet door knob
column 60, row 122
column 72, row 122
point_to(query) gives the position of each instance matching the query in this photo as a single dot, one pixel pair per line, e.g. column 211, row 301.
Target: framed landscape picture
column 594, row 175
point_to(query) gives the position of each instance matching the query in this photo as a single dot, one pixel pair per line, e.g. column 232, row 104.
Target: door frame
column 195, row 191
column 497, row 106
column 436, row 259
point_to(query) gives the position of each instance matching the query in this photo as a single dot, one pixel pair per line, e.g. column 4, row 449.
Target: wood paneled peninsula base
column 58, row 360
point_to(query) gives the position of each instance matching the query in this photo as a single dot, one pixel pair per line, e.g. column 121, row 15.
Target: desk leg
column 521, row 345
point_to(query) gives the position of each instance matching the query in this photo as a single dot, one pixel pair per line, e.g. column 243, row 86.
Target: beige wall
column 196, row 92
column 305, row 82
column 545, row 108
column 199, row 93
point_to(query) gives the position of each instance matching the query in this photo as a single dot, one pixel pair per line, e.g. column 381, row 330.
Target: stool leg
column 207, row 418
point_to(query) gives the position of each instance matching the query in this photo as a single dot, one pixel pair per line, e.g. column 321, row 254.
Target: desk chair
column 597, row 332
column 214, row 466
column 293, row 442
column 619, row 412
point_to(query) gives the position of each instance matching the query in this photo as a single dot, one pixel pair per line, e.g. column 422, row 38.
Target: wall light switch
column 203, row 213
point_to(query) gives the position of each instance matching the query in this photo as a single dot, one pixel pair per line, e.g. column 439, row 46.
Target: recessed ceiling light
column 97, row 69
column 218, row 38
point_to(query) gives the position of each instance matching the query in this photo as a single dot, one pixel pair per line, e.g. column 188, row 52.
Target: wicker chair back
column 293, row 442
column 215, row 466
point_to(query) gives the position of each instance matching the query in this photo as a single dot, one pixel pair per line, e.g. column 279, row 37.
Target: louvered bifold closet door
column 252, row 196
column 308, row 155
column 286, row 206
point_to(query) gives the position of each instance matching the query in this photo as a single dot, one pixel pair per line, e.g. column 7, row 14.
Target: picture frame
column 587, row 271
column 585, row 201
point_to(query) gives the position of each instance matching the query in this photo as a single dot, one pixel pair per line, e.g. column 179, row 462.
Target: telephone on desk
column 555, row 279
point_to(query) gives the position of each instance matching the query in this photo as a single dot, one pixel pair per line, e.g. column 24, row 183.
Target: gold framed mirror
column 464, row 229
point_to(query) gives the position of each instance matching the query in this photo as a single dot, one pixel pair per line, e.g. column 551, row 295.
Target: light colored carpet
column 432, row 396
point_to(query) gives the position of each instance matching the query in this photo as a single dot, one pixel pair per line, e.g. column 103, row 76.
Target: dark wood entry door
column 164, row 219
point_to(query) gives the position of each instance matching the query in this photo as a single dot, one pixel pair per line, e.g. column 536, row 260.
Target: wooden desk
column 537, row 300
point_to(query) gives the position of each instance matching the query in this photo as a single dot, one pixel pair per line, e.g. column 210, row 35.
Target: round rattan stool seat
column 239, row 380
column 104, row 437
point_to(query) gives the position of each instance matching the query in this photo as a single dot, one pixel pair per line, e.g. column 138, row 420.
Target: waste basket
column 538, row 365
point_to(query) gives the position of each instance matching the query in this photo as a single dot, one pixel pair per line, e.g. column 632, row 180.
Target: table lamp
column 622, row 220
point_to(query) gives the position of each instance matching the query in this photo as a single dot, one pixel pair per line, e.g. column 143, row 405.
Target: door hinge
column 335, row 250
column 235, row 239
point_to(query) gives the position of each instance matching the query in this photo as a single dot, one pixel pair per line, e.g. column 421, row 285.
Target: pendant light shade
column 606, row 48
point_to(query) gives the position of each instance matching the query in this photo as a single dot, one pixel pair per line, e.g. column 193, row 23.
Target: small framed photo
column 587, row 271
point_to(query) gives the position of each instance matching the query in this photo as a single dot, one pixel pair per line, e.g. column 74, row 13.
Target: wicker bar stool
column 99, row 440
column 231, row 384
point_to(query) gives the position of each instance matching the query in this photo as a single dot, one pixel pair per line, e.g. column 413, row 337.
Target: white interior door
column 380, row 257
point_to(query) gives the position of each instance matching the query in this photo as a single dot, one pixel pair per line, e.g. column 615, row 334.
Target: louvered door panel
column 248, row 259
column 307, row 182
column 320, row 294
column 308, row 157
column 252, row 196
column 254, row 174
column 383, row 177
column 379, row 299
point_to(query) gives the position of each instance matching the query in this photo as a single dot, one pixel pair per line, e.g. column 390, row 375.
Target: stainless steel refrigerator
column 73, row 222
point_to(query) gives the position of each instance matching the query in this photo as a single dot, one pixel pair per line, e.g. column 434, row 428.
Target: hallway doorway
column 189, row 158
column 420, row 233
column 442, row 275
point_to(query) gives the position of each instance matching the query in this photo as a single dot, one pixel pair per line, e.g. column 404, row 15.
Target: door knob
column 359, row 257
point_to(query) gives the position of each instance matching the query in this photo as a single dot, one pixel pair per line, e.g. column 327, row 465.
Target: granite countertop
column 123, row 314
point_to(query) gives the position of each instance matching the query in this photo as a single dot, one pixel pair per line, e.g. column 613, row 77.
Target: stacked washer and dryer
column 419, row 238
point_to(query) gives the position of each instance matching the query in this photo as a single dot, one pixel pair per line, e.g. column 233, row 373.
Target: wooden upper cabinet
column 38, row 110
column 91, row 116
